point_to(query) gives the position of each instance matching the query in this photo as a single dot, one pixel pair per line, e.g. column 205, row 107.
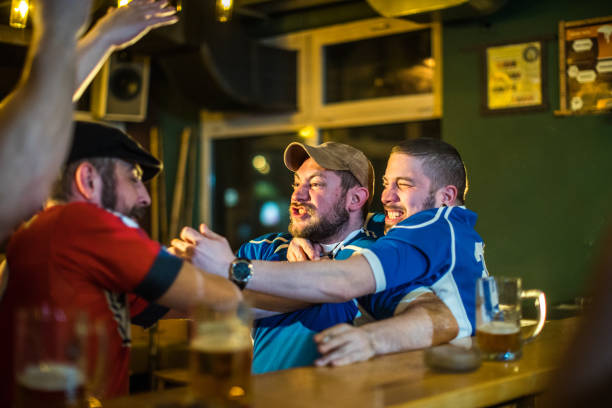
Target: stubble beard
column 319, row 229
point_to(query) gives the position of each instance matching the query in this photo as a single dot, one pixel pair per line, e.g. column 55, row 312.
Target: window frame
column 312, row 111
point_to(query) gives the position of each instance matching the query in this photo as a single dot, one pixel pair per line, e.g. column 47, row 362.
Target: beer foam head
column 500, row 328
column 51, row 377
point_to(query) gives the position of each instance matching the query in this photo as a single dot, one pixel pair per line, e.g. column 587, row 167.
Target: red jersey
column 80, row 256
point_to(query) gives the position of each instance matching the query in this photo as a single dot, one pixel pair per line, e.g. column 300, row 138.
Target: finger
column 318, row 250
column 178, row 244
column 332, row 331
column 190, row 235
column 208, row 233
column 300, row 256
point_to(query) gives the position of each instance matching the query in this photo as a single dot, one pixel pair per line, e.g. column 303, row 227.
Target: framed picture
column 514, row 80
column 585, row 66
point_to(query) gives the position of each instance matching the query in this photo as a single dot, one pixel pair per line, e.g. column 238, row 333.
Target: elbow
column 339, row 291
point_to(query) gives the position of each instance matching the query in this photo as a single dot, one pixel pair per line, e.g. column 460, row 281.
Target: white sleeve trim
column 405, row 301
column 377, row 269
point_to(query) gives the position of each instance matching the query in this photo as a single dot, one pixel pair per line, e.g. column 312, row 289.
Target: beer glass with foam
column 221, row 352
column 498, row 317
column 51, row 358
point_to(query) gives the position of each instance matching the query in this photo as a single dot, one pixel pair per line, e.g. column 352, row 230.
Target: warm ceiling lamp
column 19, row 13
column 121, row 3
column 224, row 10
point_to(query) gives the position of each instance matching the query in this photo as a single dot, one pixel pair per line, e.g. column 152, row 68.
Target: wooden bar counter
column 397, row 380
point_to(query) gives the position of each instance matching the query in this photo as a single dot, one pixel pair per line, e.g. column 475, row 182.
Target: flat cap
column 94, row 139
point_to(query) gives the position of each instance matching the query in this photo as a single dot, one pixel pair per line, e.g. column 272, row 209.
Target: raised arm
column 36, row 118
column 118, row 29
column 425, row 322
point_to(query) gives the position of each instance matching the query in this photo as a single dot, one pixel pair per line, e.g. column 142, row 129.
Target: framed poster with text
column 585, row 66
column 514, row 78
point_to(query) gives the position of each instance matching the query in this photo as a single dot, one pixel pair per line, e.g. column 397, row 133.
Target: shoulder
column 375, row 225
column 265, row 246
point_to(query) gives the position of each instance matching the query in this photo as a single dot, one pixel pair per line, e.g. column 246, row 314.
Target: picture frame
column 514, row 79
column 585, row 66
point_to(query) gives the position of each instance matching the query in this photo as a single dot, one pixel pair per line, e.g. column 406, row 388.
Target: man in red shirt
column 86, row 252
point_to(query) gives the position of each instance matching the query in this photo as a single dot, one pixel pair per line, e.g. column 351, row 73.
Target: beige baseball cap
column 333, row 156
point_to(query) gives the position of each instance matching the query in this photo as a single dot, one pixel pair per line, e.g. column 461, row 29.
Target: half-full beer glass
column 50, row 358
column 498, row 317
column 221, row 354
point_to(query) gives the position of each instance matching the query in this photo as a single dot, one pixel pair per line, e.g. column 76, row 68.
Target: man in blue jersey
column 420, row 318
column 423, row 180
column 327, row 207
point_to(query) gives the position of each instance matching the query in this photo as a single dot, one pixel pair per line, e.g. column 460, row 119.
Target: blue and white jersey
column 437, row 250
column 286, row 340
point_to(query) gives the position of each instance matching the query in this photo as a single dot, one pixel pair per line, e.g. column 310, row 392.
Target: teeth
column 393, row 214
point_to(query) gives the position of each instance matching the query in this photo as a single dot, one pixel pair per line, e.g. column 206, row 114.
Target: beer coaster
column 448, row 357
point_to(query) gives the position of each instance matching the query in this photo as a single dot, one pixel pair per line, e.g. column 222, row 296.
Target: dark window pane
column 251, row 186
column 376, row 142
column 393, row 65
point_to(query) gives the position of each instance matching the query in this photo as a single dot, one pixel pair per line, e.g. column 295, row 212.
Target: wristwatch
column 241, row 272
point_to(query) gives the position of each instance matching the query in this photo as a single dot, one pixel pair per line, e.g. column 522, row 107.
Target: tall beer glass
column 498, row 317
column 50, row 358
column 221, row 353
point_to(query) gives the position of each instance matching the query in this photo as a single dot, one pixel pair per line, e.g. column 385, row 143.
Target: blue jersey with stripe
column 286, row 340
column 436, row 249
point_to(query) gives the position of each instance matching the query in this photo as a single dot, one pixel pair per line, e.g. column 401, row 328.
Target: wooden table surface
column 397, row 380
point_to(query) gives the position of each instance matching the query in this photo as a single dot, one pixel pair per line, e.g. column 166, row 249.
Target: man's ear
column 85, row 179
column 446, row 196
column 357, row 197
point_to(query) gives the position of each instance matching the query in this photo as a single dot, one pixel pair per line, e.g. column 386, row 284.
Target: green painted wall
column 540, row 183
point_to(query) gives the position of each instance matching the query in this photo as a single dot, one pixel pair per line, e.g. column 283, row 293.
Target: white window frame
column 310, row 84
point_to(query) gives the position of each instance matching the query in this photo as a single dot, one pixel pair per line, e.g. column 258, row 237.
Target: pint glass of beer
column 50, row 358
column 498, row 317
column 221, row 352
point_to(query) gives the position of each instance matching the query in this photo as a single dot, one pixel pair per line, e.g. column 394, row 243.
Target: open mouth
column 299, row 211
column 394, row 215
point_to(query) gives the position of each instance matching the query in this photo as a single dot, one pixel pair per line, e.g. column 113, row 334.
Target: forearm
column 35, row 125
column 314, row 282
column 274, row 304
column 91, row 53
column 424, row 323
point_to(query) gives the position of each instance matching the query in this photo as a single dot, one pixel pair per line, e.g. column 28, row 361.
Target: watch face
column 242, row 270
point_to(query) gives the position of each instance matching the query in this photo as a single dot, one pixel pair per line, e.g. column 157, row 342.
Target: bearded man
column 85, row 252
column 332, row 188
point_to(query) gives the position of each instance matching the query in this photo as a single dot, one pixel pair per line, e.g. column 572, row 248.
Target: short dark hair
column 348, row 181
column 441, row 162
column 61, row 190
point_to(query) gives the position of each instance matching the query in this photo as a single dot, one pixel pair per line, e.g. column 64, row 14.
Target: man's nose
column 388, row 195
column 300, row 193
column 144, row 197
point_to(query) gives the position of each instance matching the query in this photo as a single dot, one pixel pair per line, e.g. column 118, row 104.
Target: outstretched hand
column 205, row 249
column 301, row 249
column 126, row 25
column 343, row 344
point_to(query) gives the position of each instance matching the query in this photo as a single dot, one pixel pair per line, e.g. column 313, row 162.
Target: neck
column 352, row 225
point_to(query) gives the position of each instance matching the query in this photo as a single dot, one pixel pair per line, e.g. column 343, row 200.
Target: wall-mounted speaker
column 121, row 89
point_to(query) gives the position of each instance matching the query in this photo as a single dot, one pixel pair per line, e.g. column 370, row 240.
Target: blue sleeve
column 394, row 262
